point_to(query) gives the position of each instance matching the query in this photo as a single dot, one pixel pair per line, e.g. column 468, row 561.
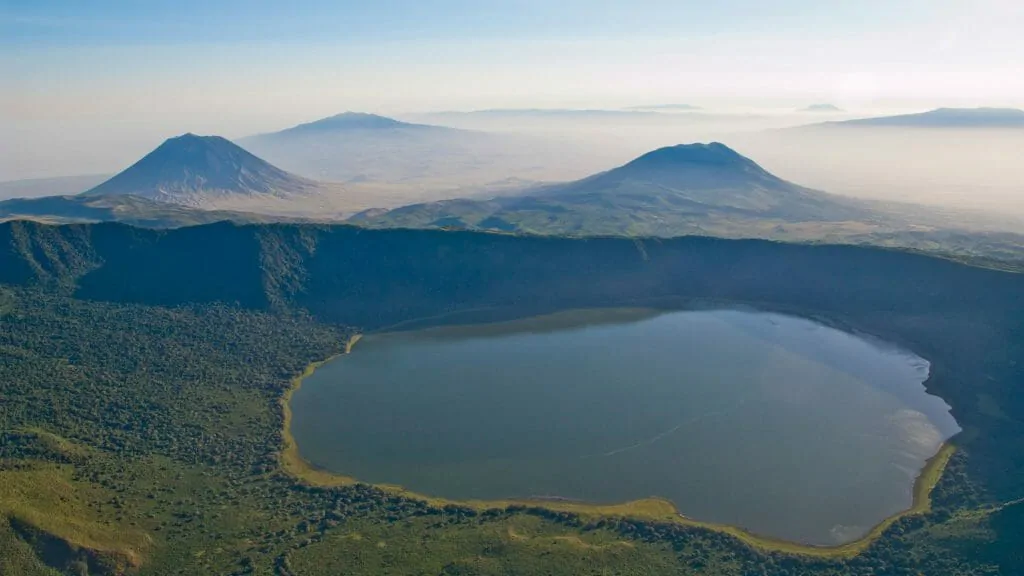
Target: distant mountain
column 410, row 159
column 704, row 188
column 195, row 170
column 821, row 108
column 570, row 113
column 38, row 187
column 947, row 118
column 128, row 209
column 356, row 147
column 344, row 122
column 712, row 174
column 667, row 107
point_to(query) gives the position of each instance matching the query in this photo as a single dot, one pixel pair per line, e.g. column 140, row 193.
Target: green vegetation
column 6, row 301
column 142, row 376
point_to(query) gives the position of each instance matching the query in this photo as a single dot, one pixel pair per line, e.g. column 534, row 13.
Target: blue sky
column 139, row 70
column 134, row 23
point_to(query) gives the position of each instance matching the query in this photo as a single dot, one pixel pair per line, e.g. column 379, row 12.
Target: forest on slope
column 142, row 372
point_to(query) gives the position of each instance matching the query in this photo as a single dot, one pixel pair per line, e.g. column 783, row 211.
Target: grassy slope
column 521, row 545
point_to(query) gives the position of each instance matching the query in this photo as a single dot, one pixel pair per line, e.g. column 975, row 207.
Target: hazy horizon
column 89, row 89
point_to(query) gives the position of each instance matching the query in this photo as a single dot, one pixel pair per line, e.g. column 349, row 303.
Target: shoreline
column 647, row 509
column 289, row 458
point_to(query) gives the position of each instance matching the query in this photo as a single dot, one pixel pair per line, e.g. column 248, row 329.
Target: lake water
column 773, row 423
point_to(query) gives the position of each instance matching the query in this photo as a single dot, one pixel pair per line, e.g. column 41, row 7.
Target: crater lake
column 782, row 426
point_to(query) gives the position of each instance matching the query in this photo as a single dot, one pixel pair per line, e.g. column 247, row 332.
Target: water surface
column 777, row 424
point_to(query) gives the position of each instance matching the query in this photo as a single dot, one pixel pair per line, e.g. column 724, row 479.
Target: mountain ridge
column 127, row 209
column 346, row 121
column 667, row 107
column 418, row 160
column 331, row 269
column 984, row 117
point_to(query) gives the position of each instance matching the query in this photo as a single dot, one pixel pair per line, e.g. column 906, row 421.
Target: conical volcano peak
column 713, row 154
column 711, row 165
column 361, row 120
column 346, row 121
column 190, row 143
column 191, row 169
column 191, row 138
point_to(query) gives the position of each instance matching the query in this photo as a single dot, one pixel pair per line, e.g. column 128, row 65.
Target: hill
column 196, row 170
column 356, row 147
column 413, row 161
column 699, row 176
column 673, row 190
column 946, row 118
column 128, row 209
column 704, row 189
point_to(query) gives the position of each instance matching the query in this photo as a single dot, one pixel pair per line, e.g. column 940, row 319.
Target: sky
column 97, row 74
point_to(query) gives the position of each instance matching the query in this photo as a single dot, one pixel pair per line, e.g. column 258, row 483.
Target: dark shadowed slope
column 194, row 170
column 946, row 118
column 376, row 277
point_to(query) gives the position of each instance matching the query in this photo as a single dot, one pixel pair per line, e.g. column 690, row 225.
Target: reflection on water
column 781, row 425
